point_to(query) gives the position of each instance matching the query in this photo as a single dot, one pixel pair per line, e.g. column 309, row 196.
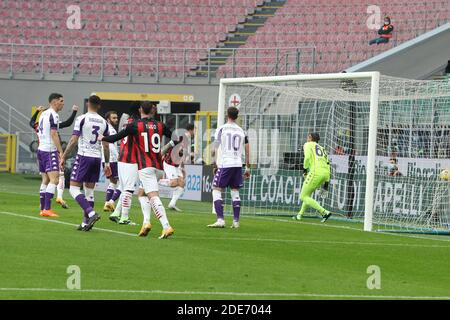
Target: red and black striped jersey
column 149, row 142
column 175, row 156
column 146, row 135
column 127, row 149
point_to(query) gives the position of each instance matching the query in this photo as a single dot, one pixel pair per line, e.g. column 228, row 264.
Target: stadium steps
column 235, row 39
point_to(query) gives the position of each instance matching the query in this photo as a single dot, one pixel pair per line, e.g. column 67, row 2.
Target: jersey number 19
column 155, row 141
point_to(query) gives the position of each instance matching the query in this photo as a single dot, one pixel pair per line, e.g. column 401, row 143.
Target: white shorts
column 128, row 176
column 149, row 179
column 172, row 172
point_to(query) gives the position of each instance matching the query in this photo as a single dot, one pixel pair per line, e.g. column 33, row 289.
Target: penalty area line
column 293, row 241
column 237, row 294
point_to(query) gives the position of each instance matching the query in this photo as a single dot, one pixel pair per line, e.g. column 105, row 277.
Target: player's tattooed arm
column 129, row 130
column 166, row 148
column 172, row 143
column 106, row 151
column 70, row 146
column 107, row 169
column 247, row 158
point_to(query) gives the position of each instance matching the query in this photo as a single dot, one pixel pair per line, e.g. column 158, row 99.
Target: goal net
column 387, row 140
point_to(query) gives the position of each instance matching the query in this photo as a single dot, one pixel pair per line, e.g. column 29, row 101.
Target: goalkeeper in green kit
column 317, row 173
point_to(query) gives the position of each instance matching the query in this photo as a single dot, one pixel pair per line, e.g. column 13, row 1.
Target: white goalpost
column 387, row 139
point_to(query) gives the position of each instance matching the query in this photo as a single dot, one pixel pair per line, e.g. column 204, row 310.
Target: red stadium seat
column 332, row 26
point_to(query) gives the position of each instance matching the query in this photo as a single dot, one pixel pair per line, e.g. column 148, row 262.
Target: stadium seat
column 328, row 25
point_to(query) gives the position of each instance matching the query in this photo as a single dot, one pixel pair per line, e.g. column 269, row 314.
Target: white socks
column 160, row 212
column 61, row 185
column 89, row 194
column 51, row 188
column 127, row 197
column 146, row 208
column 118, row 209
column 177, row 193
column 74, row 191
column 42, row 188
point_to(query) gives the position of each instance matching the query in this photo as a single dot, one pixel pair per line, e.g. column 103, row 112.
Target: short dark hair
column 315, row 136
column 146, row 107
column 190, row 126
column 233, row 113
column 95, row 100
column 54, row 96
column 109, row 114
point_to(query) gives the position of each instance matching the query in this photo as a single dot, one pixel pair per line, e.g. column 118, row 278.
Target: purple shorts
column 228, row 177
column 48, row 161
column 114, row 170
column 86, row 169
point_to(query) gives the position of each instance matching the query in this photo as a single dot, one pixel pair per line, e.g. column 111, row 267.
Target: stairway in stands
column 237, row 38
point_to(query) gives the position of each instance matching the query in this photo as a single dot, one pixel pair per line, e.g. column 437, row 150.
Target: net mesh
column 413, row 147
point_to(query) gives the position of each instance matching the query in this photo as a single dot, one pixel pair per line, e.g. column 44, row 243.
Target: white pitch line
column 238, row 294
column 318, row 242
column 64, row 223
column 351, row 243
column 327, row 225
column 298, row 222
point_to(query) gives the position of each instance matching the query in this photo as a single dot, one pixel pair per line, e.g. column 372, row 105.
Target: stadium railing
column 135, row 64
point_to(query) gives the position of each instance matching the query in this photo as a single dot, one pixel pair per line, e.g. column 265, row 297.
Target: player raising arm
column 317, row 173
column 232, row 141
column 62, row 125
column 49, row 151
column 147, row 135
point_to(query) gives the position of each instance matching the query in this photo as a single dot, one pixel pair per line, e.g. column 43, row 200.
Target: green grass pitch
column 267, row 258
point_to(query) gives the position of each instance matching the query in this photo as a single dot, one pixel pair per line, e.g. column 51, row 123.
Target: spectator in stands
column 393, row 168
column 385, row 32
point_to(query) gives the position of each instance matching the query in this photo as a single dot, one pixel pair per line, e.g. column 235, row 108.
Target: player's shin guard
column 160, row 212
column 218, row 203
column 127, row 197
column 42, row 195
column 177, row 193
column 49, row 193
column 146, row 208
column 89, row 195
column 81, row 199
column 61, row 186
column 236, row 205
column 110, row 191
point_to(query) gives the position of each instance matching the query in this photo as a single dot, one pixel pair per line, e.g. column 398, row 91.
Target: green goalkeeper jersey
column 316, row 159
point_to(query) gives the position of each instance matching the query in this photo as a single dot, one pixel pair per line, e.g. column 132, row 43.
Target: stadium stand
column 160, row 32
column 338, row 31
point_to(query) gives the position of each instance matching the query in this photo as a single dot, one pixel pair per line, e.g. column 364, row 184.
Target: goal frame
column 374, row 77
